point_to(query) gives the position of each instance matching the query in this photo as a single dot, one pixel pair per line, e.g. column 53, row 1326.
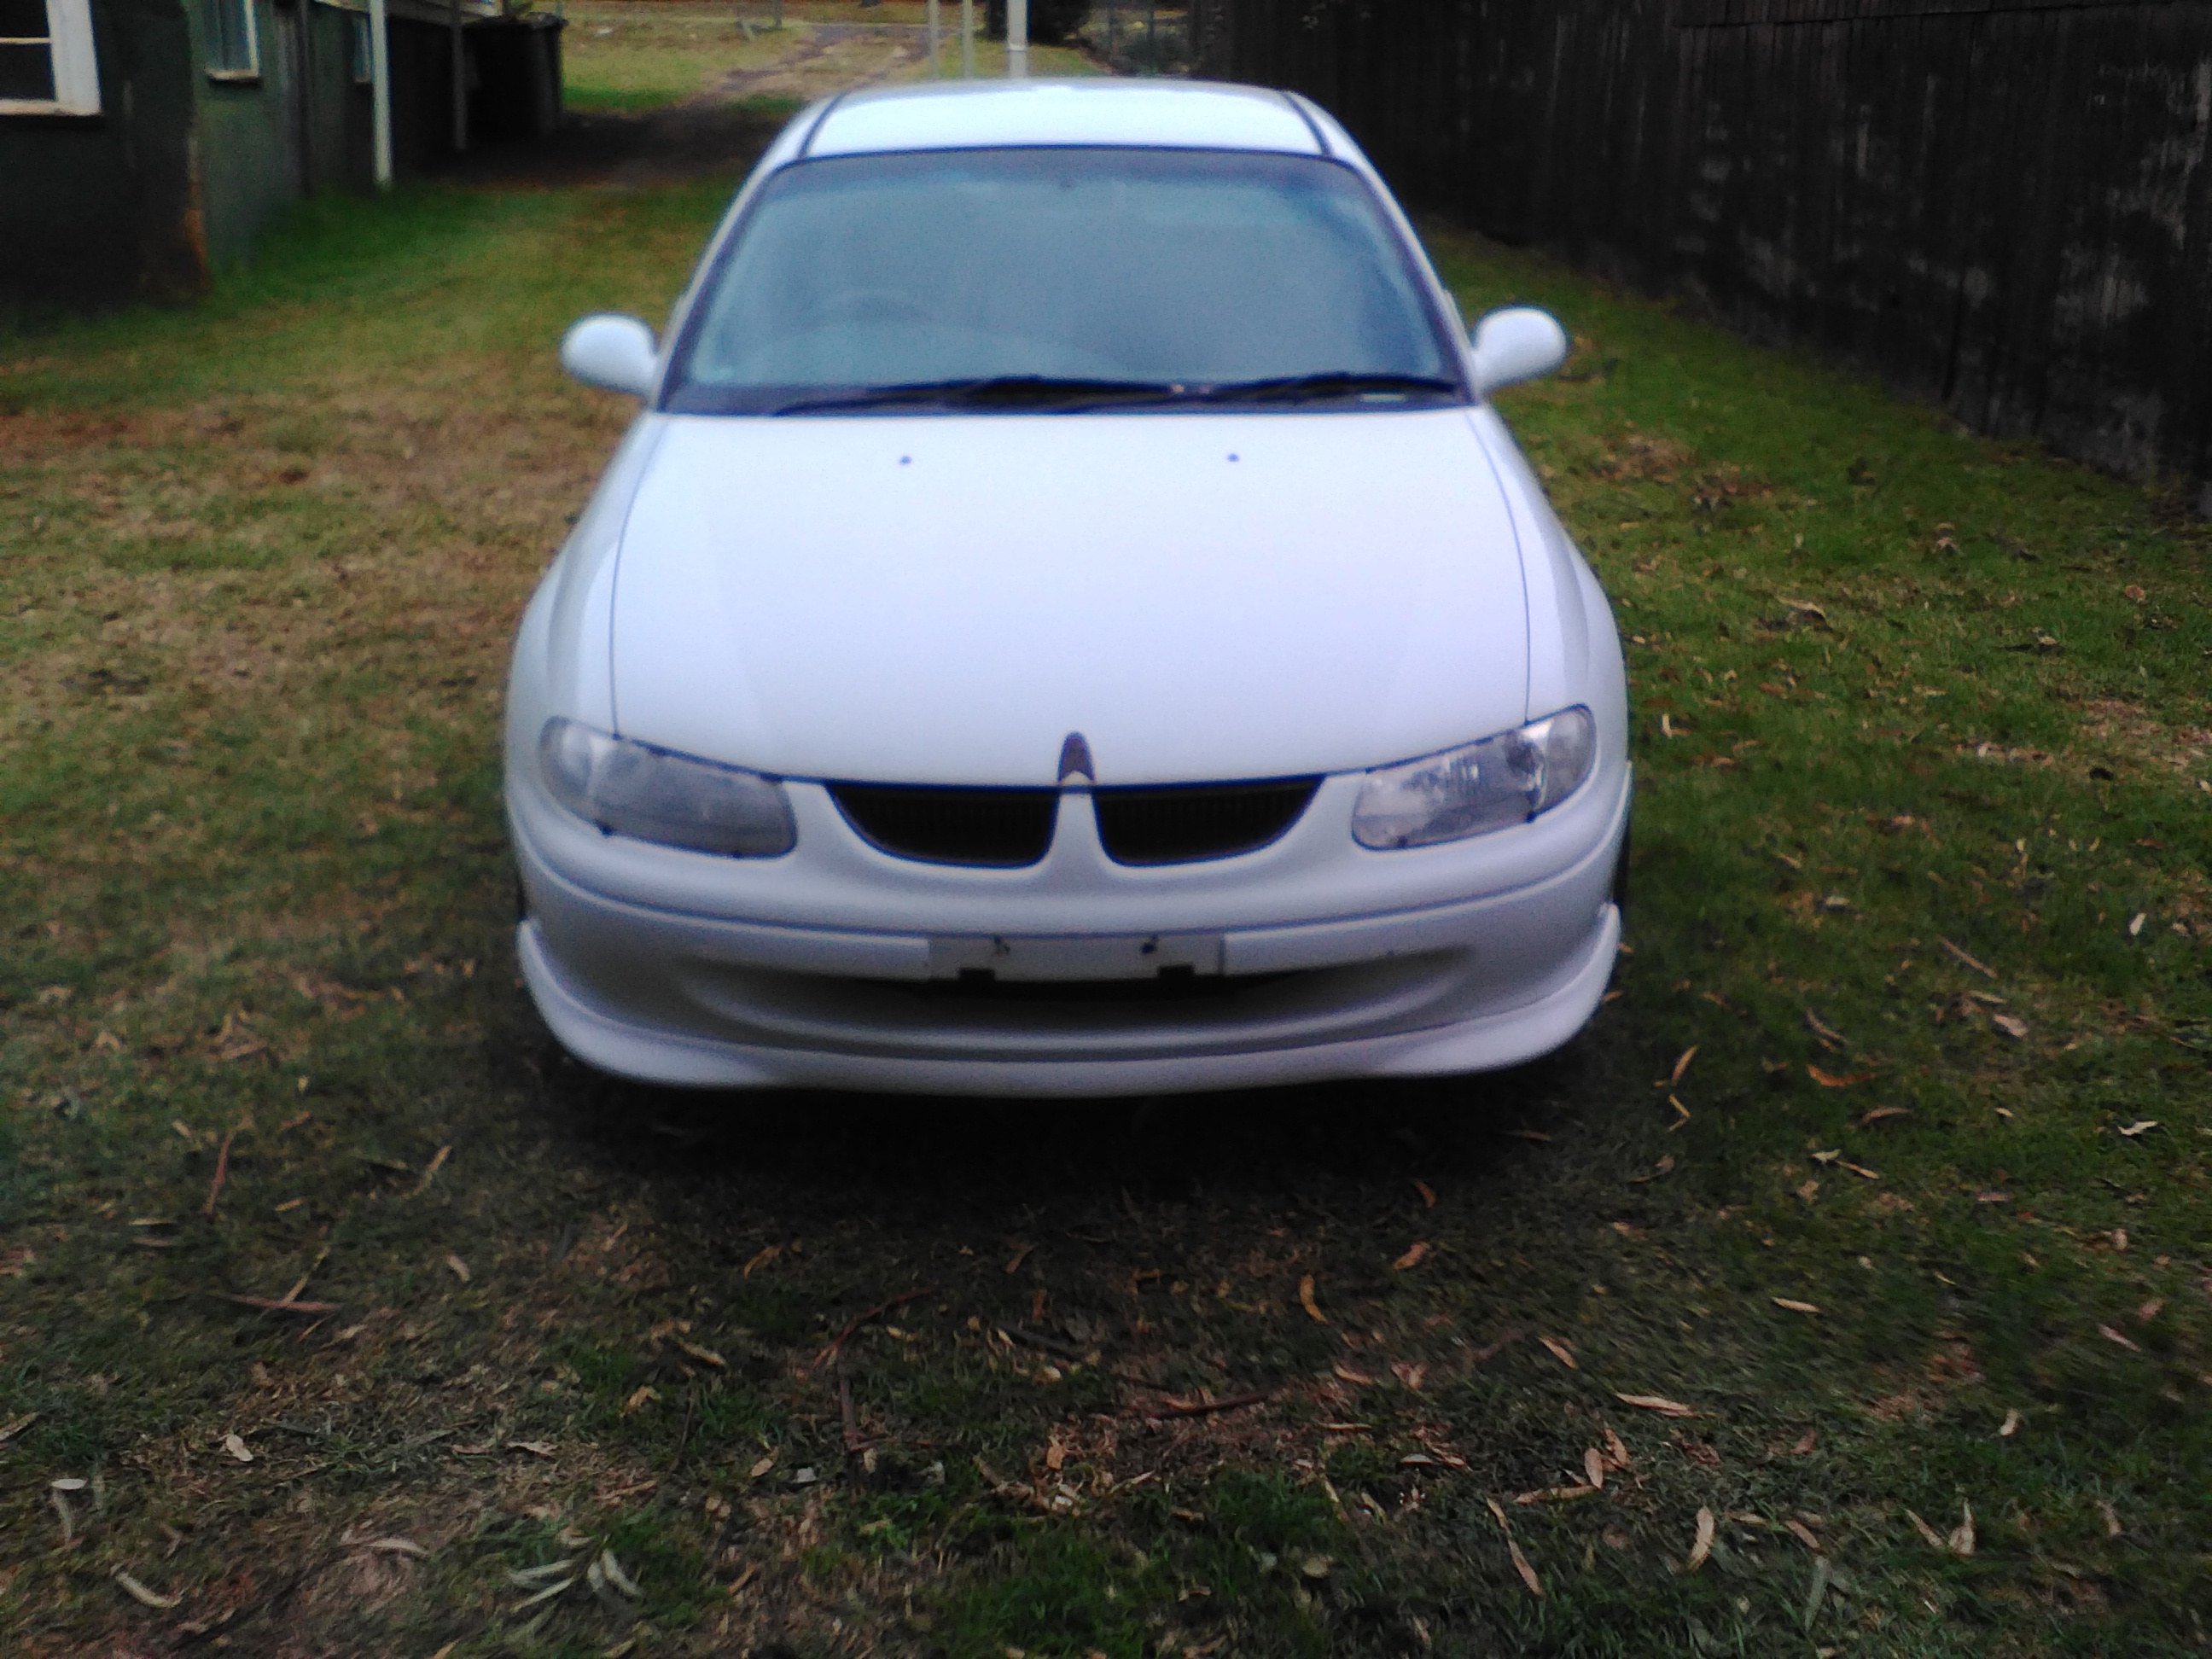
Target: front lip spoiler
column 1489, row 1042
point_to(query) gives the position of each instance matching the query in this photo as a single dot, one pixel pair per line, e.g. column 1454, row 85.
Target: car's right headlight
column 630, row 788
column 1500, row 781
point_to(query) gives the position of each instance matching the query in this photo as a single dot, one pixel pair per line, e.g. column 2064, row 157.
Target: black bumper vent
column 1187, row 822
column 1003, row 828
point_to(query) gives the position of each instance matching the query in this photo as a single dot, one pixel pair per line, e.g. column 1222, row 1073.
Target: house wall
column 246, row 162
column 182, row 173
column 101, row 208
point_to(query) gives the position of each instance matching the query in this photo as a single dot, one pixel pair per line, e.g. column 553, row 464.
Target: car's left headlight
column 1481, row 787
column 630, row 788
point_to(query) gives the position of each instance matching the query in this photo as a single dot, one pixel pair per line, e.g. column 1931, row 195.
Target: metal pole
column 1018, row 39
column 379, row 76
column 967, row 39
column 460, row 79
column 932, row 40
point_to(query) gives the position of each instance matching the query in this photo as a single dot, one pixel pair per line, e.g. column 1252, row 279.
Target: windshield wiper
column 991, row 392
column 1297, row 388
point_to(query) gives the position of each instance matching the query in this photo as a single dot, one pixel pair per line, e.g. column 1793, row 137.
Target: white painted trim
column 77, row 70
column 251, row 69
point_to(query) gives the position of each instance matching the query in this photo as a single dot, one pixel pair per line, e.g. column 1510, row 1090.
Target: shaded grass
column 262, row 563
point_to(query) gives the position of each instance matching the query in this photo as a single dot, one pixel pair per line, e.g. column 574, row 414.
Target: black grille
column 1006, row 828
column 1189, row 822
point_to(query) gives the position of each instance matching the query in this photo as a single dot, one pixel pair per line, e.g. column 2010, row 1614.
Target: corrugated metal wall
column 1999, row 204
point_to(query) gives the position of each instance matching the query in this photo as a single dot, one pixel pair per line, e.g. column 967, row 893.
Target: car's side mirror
column 611, row 350
column 1519, row 343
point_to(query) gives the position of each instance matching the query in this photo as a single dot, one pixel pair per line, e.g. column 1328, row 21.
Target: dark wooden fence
column 2003, row 205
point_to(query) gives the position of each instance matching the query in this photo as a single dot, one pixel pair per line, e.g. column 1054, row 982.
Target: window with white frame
column 46, row 63
column 234, row 49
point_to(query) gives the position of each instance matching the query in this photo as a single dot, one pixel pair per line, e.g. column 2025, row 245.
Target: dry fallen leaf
column 1306, row 1300
column 2111, row 1335
column 2137, row 926
column 1020, row 1255
column 1528, row 1573
column 2011, row 1025
column 396, row 1545
column 1829, row 1080
column 1616, row 1449
column 1959, row 956
column 762, row 1258
column 1412, row 1375
column 2112, row 1517
column 1795, row 1306
column 1962, row 1536
column 1358, row 1379
column 1806, row 1442
column 1520, row 1561
column 1594, row 1466
column 1881, row 1112
column 545, row 1594
column 1653, row 1402
column 646, row 1394
column 1557, row 1495
column 1803, row 1534
column 1704, row 1546
column 460, row 1268
column 1055, row 1456
column 1413, row 1256
column 2142, row 1126
column 1561, row 1350
column 1428, row 1195
column 236, row 1448
column 704, row 1356
column 535, row 1447
column 1934, row 1538
column 762, row 1466
column 2151, row 1309
column 2010, row 1426
column 1682, row 1064
column 138, row 1592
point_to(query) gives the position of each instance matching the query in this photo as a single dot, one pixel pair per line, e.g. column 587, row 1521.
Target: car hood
column 945, row 599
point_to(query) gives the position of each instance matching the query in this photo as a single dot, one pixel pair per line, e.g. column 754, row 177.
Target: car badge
column 1075, row 759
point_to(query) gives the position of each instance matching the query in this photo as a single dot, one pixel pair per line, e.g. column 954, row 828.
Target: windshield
column 1060, row 278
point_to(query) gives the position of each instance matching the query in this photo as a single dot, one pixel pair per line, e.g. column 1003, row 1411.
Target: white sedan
column 1066, row 620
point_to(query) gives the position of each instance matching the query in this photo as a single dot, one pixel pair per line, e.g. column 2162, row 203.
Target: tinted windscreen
column 1118, row 269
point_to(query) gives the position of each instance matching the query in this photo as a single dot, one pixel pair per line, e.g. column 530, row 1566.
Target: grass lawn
column 1887, row 1166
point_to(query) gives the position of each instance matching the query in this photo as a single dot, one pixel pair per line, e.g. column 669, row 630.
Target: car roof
column 979, row 114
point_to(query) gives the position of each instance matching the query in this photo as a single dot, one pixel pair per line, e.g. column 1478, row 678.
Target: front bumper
column 796, row 991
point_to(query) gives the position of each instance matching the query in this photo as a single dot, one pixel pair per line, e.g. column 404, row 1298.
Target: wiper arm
column 994, row 390
column 1291, row 388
